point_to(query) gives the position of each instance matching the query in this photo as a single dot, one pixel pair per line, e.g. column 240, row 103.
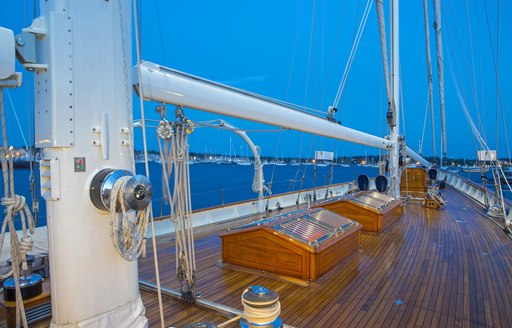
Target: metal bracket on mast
column 26, row 45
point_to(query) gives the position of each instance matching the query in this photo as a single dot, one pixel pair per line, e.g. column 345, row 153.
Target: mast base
column 131, row 315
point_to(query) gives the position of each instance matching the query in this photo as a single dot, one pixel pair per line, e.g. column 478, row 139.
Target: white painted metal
column 468, row 187
column 258, row 165
column 50, row 178
column 7, row 53
column 440, row 74
column 54, row 113
column 87, row 75
column 395, row 88
column 417, row 157
column 173, row 87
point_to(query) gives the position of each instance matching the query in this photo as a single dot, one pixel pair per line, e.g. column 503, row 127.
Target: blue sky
column 280, row 49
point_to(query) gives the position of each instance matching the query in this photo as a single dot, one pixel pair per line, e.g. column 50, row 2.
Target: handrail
column 476, row 192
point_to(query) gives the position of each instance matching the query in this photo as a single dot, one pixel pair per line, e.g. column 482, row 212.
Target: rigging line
column 270, row 99
column 352, row 55
column 146, row 164
column 430, row 80
column 425, row 124
column 460, row 92
column 354, row 35
column 464, row 60
column 158, row 23
column 294, row 53
column 497, row 65
column 17, row 119
column 304, row 108
column 498, row 29
column 14, row 205
column 322, row 47
column 212, row 124
column 402, row 105
column 30, row 128
column 462, row 100
column 353, row 51
column 333, row 53
column 309, row 53
column 474, row 84
column 300, row 160
column 314, row 57
column 304, row 174
column 276, row 150
column 498, row 88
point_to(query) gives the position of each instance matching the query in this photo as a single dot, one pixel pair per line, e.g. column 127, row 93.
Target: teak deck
column 446, row 268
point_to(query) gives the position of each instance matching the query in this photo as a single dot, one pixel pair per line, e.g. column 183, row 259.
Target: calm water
column 215, row 184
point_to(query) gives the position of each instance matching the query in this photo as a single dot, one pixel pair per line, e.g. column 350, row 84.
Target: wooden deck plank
column 447, row 273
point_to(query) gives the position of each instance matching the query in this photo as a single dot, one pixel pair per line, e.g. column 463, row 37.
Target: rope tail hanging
column 174, row 152
column 14, row 205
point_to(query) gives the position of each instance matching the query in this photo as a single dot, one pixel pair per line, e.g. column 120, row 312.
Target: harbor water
column 215, row 184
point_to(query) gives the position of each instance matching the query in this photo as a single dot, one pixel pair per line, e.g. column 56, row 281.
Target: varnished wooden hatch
column 374, row 210
column 303, row 244
column 414, row 182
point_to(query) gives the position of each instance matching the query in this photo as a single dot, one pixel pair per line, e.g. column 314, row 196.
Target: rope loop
column 128, row 237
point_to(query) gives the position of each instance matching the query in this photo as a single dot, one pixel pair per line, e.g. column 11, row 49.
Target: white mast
column 82, row 100
column 395, row 87
column 440, row 73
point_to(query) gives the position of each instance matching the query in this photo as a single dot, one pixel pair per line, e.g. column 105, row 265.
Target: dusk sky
column 297, row 51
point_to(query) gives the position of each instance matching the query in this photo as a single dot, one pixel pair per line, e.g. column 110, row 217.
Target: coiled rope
column 14, row 205
column 260, row 313
column 128, row 237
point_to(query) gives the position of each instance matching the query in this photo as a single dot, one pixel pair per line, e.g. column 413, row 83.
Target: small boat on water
column 475, row 169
